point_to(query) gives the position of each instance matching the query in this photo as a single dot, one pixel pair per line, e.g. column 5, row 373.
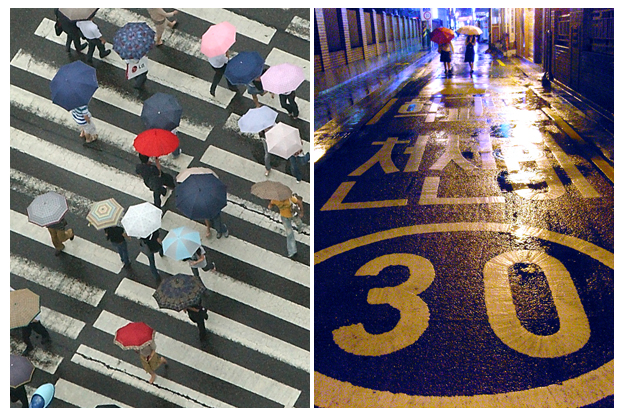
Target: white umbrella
column 283, row 140
column 141, row 220
column 257, row 119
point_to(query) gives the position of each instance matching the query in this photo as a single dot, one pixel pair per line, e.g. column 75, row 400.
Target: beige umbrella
column 24, row 307
column 271, row 190
column 193, row 171
column 77, row 14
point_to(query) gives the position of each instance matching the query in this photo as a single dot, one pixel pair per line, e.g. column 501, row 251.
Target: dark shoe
column 127, row 264
column 219, row 235
column 58, row 252
column 28, row 350
column 84, row 45
column 105, row 54
column 227, row 232
column 212, row 92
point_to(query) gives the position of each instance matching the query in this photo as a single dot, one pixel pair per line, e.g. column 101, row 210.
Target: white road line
column 28, row 62
column 81, row 397
column 299, row 27
column 42, row 360
column 80, row 248
column 136, row 377
column 61, row 323
column 57, row 281
column 222, row 326
column 209, row 364
column 244, row 26
column 243, row 251
column 251, row 171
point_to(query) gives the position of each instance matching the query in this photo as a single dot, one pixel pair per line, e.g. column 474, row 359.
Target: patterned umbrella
column 179, row 291
column 442, row 35
column 134, row 40
column 104, row 214
column 244, row 68
column 47, row 209
column 181, row 243
column 24, row 307
column 134, row 336
column 282, row 78
column 21, row 370
column 201, row 196
column 73, row 85
column 271, row 190
column 156, row 142
column 193, row 171
column 141, row 220
column 218, row 39
column 283, row 140
column 78, row 14
column 257, row 119
column 161, row 111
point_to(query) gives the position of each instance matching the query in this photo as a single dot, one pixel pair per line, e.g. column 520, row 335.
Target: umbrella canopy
column 161, row 111
column 218, row 39
column 24, row 307
column 257, row 119
column 141, row 220
column 282, row 78
column 156, row 142
column 104, row 214
column 134, row 40
column 78, row 14
column 442, row 35
column 134, row 336
column 283, row 140
column 244, row 68
column 193, row 171
column 271, row 190
column 201, row 197
column 73, row 85
column 469, row 30
column 21, row 370
column 181, row 243
column 47, row 209
column 179, row 291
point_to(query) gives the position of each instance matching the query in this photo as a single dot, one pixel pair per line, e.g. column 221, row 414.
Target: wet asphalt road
column 464, row 253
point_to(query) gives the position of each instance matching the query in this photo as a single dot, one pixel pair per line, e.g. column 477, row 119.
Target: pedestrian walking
column 219, row 64
column 161, row 19
column 198, row 314
column 154, row 178
column 151, row 360
column 117, row 236
column 296, row 160
column 446, row 50
column 82, row 117
column 199, row 260
column 254, row 88
column 63, row 24
column 470, row 52
column 291, row 210
column 59, row 234
column 287, row 101
column 94, row 37
column 218, row 225
column 139, row 80
column 150, row 245
column 19, row 393
column 267, row 155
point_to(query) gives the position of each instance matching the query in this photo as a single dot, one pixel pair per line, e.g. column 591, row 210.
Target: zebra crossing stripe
column 27, row 62
column 246, row 27
column 79, row 396
column 41, row 359
column 209, row 364
column 59, row 282
column 299, row 27
column 80, row 248
column 223, row 327
column 245, row 252
column 61, row 323
column 136, row 377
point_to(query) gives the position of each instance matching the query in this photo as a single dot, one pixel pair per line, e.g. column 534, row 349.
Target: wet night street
column 464, row 239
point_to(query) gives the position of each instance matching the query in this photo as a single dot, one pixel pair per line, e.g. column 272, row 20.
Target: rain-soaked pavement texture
column 464, row 253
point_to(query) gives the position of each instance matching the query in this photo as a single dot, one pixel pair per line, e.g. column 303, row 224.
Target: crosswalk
column 257, row 352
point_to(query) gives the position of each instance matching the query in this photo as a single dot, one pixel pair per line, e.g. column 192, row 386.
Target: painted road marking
column 221, row 326
column 136, row 377
column 335, row 203
column 60, row 323
column 244, row 26
column 28, row 62
column 209, row 364
column 429, row 195
column 79, row 396
column 246, row 252
column 299, row 27
column 383, row 111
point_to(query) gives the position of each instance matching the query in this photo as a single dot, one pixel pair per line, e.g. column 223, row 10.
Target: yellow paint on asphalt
column 382, row 112
column 500, row 62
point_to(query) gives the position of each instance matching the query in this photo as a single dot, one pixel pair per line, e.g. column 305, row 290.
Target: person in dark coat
column 71, row 30
column 117, row 236
column 19, row 393
column 470, row 52
column 152, row 244
column 154, row 178
column 36, row 326
column 198, row 314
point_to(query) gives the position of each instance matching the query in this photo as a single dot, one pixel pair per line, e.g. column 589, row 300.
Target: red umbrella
column 218, row 39
column 134, row 336
column 156, row 142
column 442, row 35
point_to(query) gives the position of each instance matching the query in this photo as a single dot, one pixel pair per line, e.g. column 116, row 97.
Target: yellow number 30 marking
column 414, row 311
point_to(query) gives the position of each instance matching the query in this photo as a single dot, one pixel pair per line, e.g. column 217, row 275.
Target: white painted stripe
column 57, row 281
column 244, row 26
column 299, row 27
column 108, row 133
column 42, row 360
column 222, row 326
column 61, row 323
column 79, row 396
column 278, row 56
column 209, row 364
column 28, row 62
column 239, row 291
column 80, row 248
column 251, row 171
column 243, row 251
column 137, row 377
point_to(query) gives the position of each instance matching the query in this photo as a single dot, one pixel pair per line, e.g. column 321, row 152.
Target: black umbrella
column 161, row 111
column 179, row 291
column 201, row 197
column 73, row 85
column 21, row 370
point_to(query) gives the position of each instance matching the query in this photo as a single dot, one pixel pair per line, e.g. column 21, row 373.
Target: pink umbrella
column 282, row 78
column 218, row 39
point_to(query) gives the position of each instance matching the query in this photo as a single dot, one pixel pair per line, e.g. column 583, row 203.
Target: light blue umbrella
column 181, row 243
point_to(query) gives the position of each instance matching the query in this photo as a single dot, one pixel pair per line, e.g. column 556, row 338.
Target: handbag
column 135, row 68
column 294, row 208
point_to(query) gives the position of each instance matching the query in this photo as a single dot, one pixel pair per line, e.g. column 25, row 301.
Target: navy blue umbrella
column 161, row 111
column 73, row 85
column 201, row 197
column 244, row 68
column 134, row 40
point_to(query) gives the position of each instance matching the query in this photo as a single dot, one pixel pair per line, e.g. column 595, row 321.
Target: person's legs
column 219, row 226
column 218, row 74
column 40, row 329
column 91, row 50
column 291, row 243
column 267, row 158
column 152, row 265
column 294, row 167
column 56, row 239
column 195, row 271
column 122, row 249
column 26, row 331
column 293, row 105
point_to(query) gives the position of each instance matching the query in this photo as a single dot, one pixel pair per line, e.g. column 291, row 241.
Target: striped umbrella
column 104, row 214
column 181, row 243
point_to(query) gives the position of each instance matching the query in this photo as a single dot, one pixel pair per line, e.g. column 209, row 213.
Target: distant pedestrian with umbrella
column 161, row 19
column 283, row 79
column 470, row 52
column 215, row 44
column 82, row 117
column 21, row 374
column 94, row 37
column 199, row 261
column 48, row 210
column 132, row 42
column 219, row 65
column 288, row 217
column 245, row 69
column 150, row 360
column 117, row 236
column 198, row 314
column 25, row 313
column 72, row 32
column 151, row 176
column 139, row 337
column 202, row 197
column 151, row 245
column 285, row 141
column 443, row 36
